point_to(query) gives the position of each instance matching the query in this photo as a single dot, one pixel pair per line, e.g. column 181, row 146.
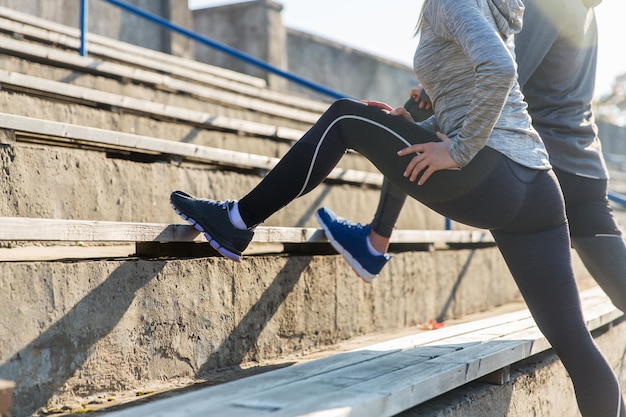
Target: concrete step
column 386, row 378
column 42, row 32
column 24, row 25
column 140, row 91
column 90, row 325
column 25, row 95
column 72, row 69
column 125, row 323
column 66, row 171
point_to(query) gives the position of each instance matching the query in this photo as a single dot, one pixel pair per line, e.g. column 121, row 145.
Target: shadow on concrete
column 243, row 339
column 315, row 204
column 457, row 284
column 61, row 350
column 191, row 136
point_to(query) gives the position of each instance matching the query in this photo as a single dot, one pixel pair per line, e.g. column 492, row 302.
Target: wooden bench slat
column 38, row 229
column 72, row 60
column 382, row 379
column 50, row 32
column 64, row 132
column 58, row 90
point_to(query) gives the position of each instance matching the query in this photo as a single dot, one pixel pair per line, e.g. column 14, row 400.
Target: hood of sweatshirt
column 508, row 15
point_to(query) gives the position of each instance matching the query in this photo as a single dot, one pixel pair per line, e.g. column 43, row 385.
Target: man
column 556, row 52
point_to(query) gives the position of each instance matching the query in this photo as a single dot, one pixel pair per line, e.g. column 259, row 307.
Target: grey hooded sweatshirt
column 465, row 61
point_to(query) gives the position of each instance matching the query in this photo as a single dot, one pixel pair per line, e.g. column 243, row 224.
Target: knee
column 618, row 298
column 345, row 106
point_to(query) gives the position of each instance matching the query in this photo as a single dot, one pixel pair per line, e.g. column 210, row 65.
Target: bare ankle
column 379, row 242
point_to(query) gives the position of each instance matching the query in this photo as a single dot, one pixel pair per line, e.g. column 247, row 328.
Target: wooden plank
column 86, row 64
column 33, row 229
column 381, row 380
column 178, row 67
column 383, row 397
column 67, row 36
column 452, row 236
column 60, row 230
column 58, row 90
column 445, row 334
column 55, row 253
column 475, row 361
column 390, row 392
column 117, row 140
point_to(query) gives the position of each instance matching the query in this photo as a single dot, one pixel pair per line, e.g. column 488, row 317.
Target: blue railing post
column 84, row 26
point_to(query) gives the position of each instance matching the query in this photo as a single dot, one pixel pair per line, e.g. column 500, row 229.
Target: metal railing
column 205, row 41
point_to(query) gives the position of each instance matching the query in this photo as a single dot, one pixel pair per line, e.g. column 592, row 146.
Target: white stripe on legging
column 407, row 143
column 317, row 148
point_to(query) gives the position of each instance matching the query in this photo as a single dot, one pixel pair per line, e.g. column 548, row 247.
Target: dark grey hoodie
column 465, row 61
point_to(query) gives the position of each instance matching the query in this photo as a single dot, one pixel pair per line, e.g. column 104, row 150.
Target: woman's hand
column 398, row 111
column 420, row 97
column 431, row 157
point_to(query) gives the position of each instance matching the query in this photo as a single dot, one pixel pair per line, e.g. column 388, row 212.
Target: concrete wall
column 256, row 28
column 347, row 70
column 103, row 326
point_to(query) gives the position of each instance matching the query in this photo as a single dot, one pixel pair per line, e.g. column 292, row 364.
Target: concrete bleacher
column 383, row 379
column 108, row 291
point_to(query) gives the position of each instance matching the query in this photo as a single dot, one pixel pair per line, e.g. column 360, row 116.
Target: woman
column 556, row 52
column 465, row 62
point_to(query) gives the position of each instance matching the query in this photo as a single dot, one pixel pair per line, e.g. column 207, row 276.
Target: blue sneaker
column 350, row 240
column 211, row 218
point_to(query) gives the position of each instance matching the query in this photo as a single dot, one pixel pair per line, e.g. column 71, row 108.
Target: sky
column 385, row 28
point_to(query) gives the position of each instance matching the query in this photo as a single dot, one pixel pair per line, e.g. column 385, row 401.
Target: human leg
column 375, row 134
column 596, row 237
column 522, row 206
column 605, row 259
column 354, row 247
column 365, row 247
column 305, row 165
column 539, row 262
column 539, row 259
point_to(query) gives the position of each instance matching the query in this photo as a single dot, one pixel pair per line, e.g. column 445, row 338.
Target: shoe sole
column 356, row 266
column 214, row 243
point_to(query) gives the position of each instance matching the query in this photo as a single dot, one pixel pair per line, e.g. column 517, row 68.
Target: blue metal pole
column 225, row 48
column 84, row 18
column 618, row 198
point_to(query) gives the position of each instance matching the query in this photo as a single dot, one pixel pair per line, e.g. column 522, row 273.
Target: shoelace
column 223, row 204
column 350, row 225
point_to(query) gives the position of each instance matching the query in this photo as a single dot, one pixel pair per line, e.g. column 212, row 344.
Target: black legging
column 595, row 233
column 522, row 207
